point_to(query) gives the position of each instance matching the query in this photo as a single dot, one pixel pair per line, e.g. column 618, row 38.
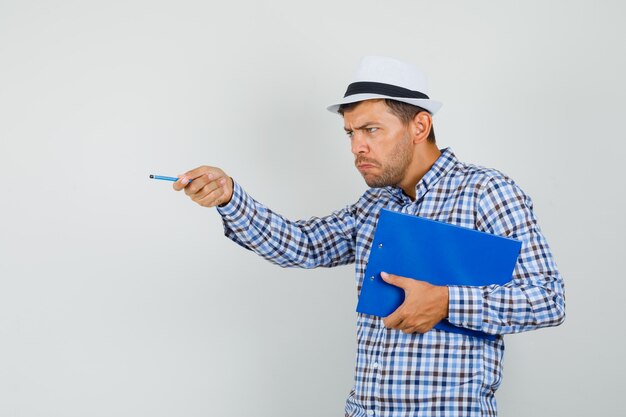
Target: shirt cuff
column 465, row 307
column 233, row 209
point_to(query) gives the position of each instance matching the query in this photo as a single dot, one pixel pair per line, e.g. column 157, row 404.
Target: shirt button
column 370, row 412
column 375, row 365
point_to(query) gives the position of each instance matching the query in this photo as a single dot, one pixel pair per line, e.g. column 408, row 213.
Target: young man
column 404, row 366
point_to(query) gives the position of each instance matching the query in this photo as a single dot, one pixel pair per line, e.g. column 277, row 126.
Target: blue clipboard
column 435, row 252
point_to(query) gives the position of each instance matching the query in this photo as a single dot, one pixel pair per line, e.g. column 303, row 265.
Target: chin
column 372, row 183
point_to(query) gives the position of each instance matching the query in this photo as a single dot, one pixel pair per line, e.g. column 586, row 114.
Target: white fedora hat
column 381, row 77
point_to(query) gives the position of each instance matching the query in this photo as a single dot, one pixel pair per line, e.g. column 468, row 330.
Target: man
column 405, row 367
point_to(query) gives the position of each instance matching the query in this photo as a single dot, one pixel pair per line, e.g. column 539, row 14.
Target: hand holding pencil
column 207, row 186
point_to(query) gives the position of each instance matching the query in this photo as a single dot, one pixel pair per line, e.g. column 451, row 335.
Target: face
column 381, row 143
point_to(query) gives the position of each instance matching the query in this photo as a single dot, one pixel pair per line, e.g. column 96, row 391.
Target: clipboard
column 435, row 252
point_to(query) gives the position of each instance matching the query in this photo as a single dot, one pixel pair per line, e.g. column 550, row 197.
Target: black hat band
column 366, row 87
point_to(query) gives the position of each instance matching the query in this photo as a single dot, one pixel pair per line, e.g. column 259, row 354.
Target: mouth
column 365, row 162
column 365, row 166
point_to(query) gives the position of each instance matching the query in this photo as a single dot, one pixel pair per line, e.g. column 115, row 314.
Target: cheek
column 382, row 151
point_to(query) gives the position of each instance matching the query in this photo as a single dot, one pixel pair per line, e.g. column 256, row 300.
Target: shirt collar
column 446, row 161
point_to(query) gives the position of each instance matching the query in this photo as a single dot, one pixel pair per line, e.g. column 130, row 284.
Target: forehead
column 368, row 111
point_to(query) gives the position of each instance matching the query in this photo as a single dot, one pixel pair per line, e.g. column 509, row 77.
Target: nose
column 359, row 145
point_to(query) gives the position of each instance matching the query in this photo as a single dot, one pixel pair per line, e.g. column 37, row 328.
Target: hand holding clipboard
column 435, row 252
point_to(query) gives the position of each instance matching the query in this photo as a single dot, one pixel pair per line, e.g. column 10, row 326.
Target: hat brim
column 431, row 106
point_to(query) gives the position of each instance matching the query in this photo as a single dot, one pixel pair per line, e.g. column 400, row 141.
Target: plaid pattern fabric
column 436, row 373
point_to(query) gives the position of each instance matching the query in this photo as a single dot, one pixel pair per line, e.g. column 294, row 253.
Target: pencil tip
column 151, row 176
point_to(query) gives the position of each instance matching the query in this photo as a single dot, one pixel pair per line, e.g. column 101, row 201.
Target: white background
column 120, row 297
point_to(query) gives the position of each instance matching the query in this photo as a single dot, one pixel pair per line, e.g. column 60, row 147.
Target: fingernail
column 384, row 275
column 184, row 180
column 223, row 181
column 210, row 176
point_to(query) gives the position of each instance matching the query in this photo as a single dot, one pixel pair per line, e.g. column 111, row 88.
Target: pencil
column 164, row 178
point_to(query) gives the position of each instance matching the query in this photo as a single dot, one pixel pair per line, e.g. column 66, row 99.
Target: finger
column 215, row 198
column 394, row 320
column 424, row 329
column 197, row 185
column 202, row 181
column 208, row 190
column 179, row 185
column 418, row 329
column 186, row 178
column 213, row 172
column 396, row 280
column 407, row 326
column 196, row 172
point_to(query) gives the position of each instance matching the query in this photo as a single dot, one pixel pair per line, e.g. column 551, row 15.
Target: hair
column 404, row 111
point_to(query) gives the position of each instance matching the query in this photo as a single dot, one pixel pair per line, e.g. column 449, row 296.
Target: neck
column 424, row 158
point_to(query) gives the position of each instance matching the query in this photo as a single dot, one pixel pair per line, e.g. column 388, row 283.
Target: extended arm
column 326, row 241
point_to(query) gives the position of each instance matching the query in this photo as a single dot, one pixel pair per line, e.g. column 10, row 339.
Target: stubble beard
column 394, row 169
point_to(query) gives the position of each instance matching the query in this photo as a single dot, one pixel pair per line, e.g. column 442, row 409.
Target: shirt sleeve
column 534, row 298
column 326, row 241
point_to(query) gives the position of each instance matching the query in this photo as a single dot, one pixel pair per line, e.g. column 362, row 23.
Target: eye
column 349, row 133
column 371, row 129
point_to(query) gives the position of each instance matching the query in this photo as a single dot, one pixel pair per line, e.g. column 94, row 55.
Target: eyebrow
column 359, row 127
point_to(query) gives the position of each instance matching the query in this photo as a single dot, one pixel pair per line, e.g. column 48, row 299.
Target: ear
column 420, row 126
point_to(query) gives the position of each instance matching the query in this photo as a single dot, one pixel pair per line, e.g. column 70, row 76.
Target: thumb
column 393, row 279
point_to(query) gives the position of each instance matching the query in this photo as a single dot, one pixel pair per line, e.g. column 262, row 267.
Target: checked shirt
column 436, row 373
